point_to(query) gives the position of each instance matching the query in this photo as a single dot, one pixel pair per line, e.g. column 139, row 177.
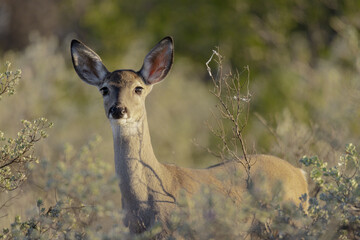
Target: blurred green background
column 303, row 55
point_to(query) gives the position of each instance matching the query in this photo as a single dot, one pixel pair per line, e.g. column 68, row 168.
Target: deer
column 149, row 188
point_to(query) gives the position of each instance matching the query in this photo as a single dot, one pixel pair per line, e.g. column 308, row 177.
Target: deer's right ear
column 87, row 63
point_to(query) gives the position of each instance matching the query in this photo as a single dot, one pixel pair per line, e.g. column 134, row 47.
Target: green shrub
column 82, row 207
column 8, row 80
column 17, row 154
column 335, row 209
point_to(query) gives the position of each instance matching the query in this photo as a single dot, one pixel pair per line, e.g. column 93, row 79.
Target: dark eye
column 138, row 90
column 104, row 91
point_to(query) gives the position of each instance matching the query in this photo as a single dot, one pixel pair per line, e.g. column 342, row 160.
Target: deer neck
column 135, row 163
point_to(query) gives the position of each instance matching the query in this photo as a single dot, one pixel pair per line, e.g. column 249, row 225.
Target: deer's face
column 124, row 91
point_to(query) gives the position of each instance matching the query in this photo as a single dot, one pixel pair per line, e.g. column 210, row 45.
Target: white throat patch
column 125, row 127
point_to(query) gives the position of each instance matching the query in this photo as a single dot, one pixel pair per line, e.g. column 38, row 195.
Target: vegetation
column 304, row 90
column 83, row 207
column 335, row 209
column 8, row 80
column 16, row 154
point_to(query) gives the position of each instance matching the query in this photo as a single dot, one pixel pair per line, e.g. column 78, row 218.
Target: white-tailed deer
column 149, row 189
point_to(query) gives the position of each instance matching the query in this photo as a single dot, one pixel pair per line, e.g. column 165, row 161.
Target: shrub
column 8, row 80
column 335, row 209
column 82, row 208
column 16, row 154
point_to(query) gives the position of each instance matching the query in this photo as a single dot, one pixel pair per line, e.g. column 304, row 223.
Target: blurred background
column 303, row 55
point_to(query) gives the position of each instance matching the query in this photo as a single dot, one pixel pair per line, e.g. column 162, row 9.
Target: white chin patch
column 125, row 119
column 122, row 121
column 126, row 126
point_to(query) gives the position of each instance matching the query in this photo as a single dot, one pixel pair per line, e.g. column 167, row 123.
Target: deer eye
column 104, row 91
column 138, row 90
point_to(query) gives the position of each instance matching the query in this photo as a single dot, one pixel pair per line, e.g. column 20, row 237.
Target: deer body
column 149, row 189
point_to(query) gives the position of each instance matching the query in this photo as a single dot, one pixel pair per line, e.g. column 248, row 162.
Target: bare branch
column 232, row 108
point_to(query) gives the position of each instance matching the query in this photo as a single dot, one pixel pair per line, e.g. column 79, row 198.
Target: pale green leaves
column 339, row 193
column 8, row 80
column 16, row 154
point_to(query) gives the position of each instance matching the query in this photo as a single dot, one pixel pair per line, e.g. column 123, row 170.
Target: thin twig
column 227, row 90
column 10, row 199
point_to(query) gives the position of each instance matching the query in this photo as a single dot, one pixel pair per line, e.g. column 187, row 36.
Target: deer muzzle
column 117, row 112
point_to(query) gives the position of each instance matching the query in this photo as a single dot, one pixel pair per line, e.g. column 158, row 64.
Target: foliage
column 304, row 57
column 248, row 31
column 336, row 209
column 81, row 210
column 8, row 80
column 83, row 202
column 16, row 154
column 208, row 215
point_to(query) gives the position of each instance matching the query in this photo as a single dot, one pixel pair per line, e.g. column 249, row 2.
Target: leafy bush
column 16, row 154
column 335, row 211
column 82, row 207
column 8, row 80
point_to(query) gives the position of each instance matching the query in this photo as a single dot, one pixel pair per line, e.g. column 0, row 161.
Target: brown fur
column 150, row 189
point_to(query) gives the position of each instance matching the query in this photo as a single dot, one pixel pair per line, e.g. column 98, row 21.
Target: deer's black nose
column 117, row 112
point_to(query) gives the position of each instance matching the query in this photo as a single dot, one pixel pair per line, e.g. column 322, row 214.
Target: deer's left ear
column 158, row 61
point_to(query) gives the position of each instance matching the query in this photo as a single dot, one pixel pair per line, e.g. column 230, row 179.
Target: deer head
column 123, row 91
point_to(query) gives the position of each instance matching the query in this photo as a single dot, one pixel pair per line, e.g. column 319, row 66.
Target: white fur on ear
column 158, row 61
column 87, row 63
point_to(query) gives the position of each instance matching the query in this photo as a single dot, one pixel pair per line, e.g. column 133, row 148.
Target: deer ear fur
column 158, row 61
column 87, row 63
